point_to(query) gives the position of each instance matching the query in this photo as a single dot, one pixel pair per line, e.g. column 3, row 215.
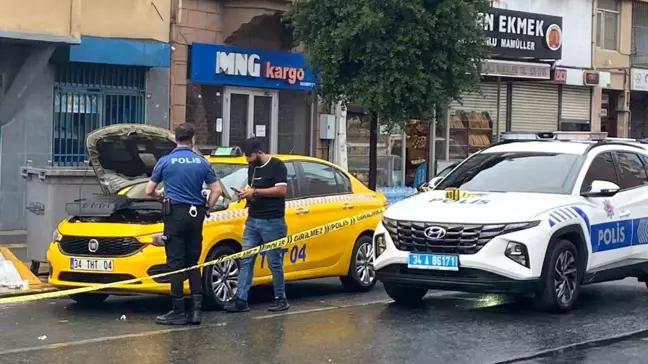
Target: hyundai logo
column 93, row 245
column 435, row 232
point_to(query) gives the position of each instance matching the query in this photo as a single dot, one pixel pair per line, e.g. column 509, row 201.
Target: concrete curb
column 605, row 341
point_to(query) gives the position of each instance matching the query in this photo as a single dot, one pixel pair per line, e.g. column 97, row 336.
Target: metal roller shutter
column 576, row 103
column 486, row 100
column 534, row 107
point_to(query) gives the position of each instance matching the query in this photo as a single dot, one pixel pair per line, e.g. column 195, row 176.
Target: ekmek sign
column 237, row 66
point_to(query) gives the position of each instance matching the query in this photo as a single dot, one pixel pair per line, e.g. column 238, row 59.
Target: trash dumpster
column 48, row 190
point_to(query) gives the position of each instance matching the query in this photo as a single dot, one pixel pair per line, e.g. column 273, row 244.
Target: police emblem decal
column 609, row 209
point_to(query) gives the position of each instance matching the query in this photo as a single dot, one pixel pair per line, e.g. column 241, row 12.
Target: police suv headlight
column 518, row 253
column 380, row 245
column 153, row 239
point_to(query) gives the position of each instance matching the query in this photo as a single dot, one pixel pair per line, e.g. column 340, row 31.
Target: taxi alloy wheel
column 361, row 276
column 220, row 280
column 225, row 280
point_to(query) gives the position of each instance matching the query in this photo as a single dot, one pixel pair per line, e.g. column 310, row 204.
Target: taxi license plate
column 100, row 265
column 433, row 261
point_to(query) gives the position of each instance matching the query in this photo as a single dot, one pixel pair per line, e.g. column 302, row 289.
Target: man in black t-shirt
column 266, row 203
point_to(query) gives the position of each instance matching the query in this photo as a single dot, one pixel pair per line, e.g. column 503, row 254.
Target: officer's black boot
column 176, row 316
column 193, row 314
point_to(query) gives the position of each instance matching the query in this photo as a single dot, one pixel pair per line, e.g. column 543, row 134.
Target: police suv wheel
column 361, row 276
column 561, row 284
column 405, row 294
column 89, row 298
column 220, row 281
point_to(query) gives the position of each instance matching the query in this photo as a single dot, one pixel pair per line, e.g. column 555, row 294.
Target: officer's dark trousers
column 183, row 245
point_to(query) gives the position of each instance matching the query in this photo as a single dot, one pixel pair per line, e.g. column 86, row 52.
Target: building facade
column 71, row 67
column 534, row 79
column 235, row 74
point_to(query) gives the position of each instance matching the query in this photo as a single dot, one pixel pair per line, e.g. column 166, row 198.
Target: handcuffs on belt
column 193, row 211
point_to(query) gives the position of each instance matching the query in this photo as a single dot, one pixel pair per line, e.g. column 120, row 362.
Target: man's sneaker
column 280, row 304
column 237, row 305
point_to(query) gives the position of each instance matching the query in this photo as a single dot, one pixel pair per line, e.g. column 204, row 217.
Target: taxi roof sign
column 226, row 152
column 555, row 135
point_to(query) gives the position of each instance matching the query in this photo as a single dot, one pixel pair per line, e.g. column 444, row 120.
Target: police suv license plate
column 433, row 261
column 99, row 265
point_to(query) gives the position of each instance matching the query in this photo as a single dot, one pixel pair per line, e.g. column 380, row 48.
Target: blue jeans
column 257, row 232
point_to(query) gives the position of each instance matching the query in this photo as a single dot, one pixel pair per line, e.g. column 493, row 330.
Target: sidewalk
column 36, row 285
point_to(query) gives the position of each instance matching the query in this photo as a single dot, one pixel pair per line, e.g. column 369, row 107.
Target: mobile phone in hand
column 235, row 190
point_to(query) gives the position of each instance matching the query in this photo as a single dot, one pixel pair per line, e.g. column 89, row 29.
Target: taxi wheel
column 220, row 280
column 405, row 294
column 361, row 277
column 89, row 298
column 561, row 284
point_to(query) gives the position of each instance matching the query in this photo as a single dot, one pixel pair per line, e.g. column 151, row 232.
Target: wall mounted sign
column 560, row 75
column 517, row 34
column 638, row 79
column 493, row 67
column 237, row 66
column 591, row 78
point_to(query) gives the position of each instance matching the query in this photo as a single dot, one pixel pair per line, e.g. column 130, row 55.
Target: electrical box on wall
column 327, row 127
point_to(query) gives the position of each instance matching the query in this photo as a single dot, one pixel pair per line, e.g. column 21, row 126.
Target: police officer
column 183, row 172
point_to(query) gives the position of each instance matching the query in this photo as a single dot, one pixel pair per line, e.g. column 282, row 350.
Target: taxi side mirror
column 602, row 189
column 435, row 181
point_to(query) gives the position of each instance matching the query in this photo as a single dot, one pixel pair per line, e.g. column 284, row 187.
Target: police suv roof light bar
column 554, row 135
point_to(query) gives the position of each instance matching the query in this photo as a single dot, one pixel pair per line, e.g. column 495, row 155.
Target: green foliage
column 399, row 57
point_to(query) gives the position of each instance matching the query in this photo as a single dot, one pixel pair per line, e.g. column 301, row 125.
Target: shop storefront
column 236, row 92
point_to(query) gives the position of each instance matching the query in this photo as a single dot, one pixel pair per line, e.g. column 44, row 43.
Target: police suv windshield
column 234, row 175
column 535, row 172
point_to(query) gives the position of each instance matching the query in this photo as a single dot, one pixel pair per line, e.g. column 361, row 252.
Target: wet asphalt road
column 327, row 325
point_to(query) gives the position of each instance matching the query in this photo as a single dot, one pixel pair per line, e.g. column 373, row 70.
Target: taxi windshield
column 534, row 172
column 232, row 175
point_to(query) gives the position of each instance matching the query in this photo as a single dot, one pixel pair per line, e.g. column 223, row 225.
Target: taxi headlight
column 153, row 239
column 380, row 245
column 56, row 236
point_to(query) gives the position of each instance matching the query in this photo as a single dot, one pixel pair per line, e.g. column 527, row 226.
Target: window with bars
column 90, row 96
column 639, row 34
column 607, row 24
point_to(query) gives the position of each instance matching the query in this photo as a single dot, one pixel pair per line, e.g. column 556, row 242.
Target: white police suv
column 538, row 213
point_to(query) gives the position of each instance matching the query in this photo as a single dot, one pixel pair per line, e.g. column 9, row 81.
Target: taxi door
column 295, row 222
column 326, row 200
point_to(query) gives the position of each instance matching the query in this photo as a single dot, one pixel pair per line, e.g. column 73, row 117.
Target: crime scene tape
column 280, row 243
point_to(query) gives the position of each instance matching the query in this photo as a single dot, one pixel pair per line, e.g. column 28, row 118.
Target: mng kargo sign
column 248, row 67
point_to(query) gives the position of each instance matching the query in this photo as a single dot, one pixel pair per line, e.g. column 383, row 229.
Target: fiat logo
column 93, row 245
column 435, row 232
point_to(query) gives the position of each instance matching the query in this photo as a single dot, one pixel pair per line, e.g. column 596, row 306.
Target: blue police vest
column 183, row 172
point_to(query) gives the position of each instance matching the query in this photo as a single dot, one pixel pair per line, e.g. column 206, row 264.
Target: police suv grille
column 107, row 247
column 459, row 238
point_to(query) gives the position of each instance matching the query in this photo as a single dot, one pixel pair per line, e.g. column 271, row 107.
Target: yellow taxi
column 116, row 236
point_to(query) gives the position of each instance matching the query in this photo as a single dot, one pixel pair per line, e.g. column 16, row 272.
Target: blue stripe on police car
column 618, row 234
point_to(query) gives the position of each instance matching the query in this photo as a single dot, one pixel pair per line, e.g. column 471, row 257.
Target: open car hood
column 125, row 154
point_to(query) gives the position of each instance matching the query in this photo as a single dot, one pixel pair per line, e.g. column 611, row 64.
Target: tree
column 401, row 58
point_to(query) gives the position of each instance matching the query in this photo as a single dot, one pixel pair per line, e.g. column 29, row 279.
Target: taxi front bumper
column 148, row 261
